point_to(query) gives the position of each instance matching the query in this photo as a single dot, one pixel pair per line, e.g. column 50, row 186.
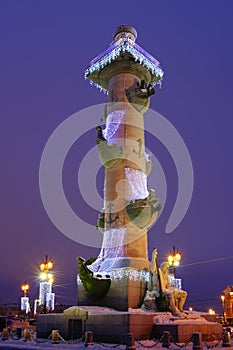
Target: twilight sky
column 45, row 48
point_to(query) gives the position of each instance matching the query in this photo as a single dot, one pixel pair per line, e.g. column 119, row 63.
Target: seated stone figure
column 161, row 295
column 175, row 295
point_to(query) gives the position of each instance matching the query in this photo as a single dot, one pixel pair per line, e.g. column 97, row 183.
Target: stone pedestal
column 70, row 328
column 111, row 326
column 127, row 290
column 182, row 333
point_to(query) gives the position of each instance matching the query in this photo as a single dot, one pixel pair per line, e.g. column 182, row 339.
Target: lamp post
column 45, row 267
column 223, row 308
column 25, row 288
column 25, row 306
column 174, row 259
column 46, row 281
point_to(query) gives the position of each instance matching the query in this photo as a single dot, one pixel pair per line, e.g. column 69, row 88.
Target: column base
column 127, row 289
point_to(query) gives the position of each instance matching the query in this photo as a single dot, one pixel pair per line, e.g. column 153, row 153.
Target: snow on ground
column 143, row 344
column 188, row 317
column 160, row 318
column 96, row 310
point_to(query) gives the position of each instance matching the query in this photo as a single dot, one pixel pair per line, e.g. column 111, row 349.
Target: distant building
column 9, row 310
column 227, row 304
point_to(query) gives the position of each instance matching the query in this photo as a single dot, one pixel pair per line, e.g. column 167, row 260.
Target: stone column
column 128, row 74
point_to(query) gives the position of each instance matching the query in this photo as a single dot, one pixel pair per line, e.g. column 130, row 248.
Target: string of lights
column 139, row 55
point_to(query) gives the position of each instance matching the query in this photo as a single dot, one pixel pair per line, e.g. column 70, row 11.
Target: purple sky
column 45, row 48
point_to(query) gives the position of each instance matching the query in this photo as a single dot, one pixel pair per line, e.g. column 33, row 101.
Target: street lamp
column 25, row 305
column 211, row 312
column 46, row 277
column 25, row 288
column 44, row 268
column 223, row 308
column 174, row 259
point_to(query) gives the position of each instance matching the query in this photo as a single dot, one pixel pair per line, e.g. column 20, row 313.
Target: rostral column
column 128, row 74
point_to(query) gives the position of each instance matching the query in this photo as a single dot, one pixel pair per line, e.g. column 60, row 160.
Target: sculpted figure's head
column 125, row 32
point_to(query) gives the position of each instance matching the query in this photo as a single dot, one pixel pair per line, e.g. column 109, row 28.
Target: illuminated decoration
column 50, row 299
column 133, row 275
column 45, row 288
column 178, row 283
column 211, row 312
column 46, row 296
column 112, row 249
column 136, row 184
column 115, row 50
column 175, row 282
column 112, row 123
column 36, row 304
column 110, row 152
column 124, row 274
column 25, row 305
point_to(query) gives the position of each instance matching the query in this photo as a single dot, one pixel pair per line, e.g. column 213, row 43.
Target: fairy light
column 133, row 275
column 114, row 51
column 211, row 312
column 112, row 123
column 110, row 257
column 136, row 184
column 112, row 249
column 124, row 274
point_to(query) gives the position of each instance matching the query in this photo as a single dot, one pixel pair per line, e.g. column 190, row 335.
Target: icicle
column 144, row 58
